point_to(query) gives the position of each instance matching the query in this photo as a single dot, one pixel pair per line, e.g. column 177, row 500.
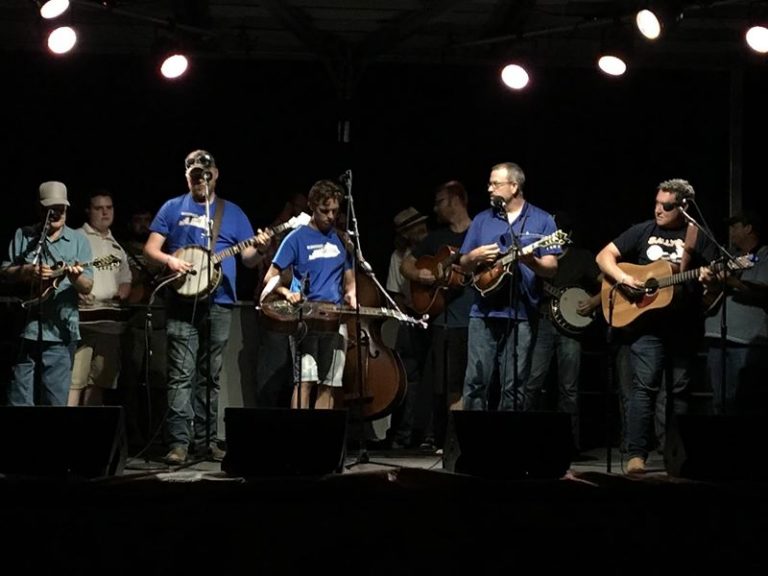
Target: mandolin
column 50, row 284
column 489, row 277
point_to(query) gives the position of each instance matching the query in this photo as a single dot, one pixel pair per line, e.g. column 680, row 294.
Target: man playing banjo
column 566, row 311
column 186, row 231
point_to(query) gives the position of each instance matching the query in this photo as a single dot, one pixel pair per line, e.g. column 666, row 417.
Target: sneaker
column 428, row 445
column 176, row 455
column 636, row 465
column 217, row 453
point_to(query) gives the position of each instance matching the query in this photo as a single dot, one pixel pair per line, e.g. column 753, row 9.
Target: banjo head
column 567, row 306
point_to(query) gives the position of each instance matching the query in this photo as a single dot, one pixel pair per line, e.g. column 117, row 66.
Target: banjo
column 563, row 307
column 196, row 283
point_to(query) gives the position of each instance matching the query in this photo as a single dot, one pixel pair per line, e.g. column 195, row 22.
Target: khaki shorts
column 97, row 361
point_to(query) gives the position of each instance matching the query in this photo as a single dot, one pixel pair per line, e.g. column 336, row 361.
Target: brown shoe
column 636, row 465
column 176, row 455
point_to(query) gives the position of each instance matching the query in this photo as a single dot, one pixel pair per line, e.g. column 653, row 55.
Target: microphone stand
column 513, row 302
column 37, row 260
column 359, row 263
column 726, row 257
column 207, row 330
column 148, row 352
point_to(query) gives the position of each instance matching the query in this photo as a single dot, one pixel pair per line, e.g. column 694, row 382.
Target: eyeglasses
column 497, row 185
column 204, row 160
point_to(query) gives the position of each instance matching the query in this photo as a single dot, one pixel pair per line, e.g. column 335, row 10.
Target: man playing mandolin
column 317, row 259
column 500, row 333
column 50, row 257
column 180, row 235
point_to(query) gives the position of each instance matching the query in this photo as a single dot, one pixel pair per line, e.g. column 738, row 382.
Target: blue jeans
column 490, row 348
column 551, row 342
column 55, row 378
column 745, row 368
column 648, row 360
column 188, row 371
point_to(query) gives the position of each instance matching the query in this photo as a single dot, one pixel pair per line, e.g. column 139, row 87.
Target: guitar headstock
column 108, row 262
column 558, row 238
column 300, row 220
column 741, row 263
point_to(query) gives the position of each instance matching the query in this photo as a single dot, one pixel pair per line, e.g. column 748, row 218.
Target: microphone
column 197, row 173
column 498, row 203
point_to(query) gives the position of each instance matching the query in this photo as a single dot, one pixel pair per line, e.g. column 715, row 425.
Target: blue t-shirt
column 61, row 318
column 489, row 227
column 182, row 221
column 318, row 260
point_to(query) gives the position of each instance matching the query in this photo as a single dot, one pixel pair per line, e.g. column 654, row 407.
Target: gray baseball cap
column 53, row 193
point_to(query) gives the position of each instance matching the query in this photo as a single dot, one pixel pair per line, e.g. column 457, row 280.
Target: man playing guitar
column 184, row 221
column 447, row 355
column 667, row 337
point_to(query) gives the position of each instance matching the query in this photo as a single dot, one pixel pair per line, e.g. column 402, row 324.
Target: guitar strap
column 217, row 215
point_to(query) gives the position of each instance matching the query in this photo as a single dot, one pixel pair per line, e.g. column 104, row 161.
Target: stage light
column 648, row 24
column 174, row 65
column 757, row 39
column 658, row 17
column 612, row 65
column 53, row 8
column 515, row 76
column 62, row 40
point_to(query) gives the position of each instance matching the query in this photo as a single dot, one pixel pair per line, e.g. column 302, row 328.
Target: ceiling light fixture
column 53, row 8
column 515, row 76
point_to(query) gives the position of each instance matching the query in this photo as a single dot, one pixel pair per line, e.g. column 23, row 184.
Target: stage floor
column 399, row 513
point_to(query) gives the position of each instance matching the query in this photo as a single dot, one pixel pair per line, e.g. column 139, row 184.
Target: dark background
column 594, row 146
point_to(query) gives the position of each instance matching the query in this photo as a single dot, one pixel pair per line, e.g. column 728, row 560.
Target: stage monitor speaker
column 719, row 448
column 84, row 442
column 511, row 444
column 284, row 442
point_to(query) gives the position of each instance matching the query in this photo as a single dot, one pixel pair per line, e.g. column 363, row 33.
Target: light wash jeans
column 188, row 371
column 56, row 374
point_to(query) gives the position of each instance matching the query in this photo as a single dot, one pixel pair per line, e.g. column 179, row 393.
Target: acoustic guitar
column 489, row 277
column 430, row 299
column 658, row 288
column 196, row 283
column 59, row 270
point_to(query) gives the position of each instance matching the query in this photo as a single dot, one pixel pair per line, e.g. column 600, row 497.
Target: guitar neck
column 240, row 246
column 232, row 250
column 681, row 277
column 513, row 255
column 550, row 289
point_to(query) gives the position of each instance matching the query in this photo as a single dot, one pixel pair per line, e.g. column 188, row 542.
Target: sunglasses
column 204, row 160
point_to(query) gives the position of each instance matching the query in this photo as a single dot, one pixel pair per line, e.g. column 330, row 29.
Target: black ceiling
column 350, row 34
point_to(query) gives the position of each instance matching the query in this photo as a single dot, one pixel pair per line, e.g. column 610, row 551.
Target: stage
column 400, row 513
